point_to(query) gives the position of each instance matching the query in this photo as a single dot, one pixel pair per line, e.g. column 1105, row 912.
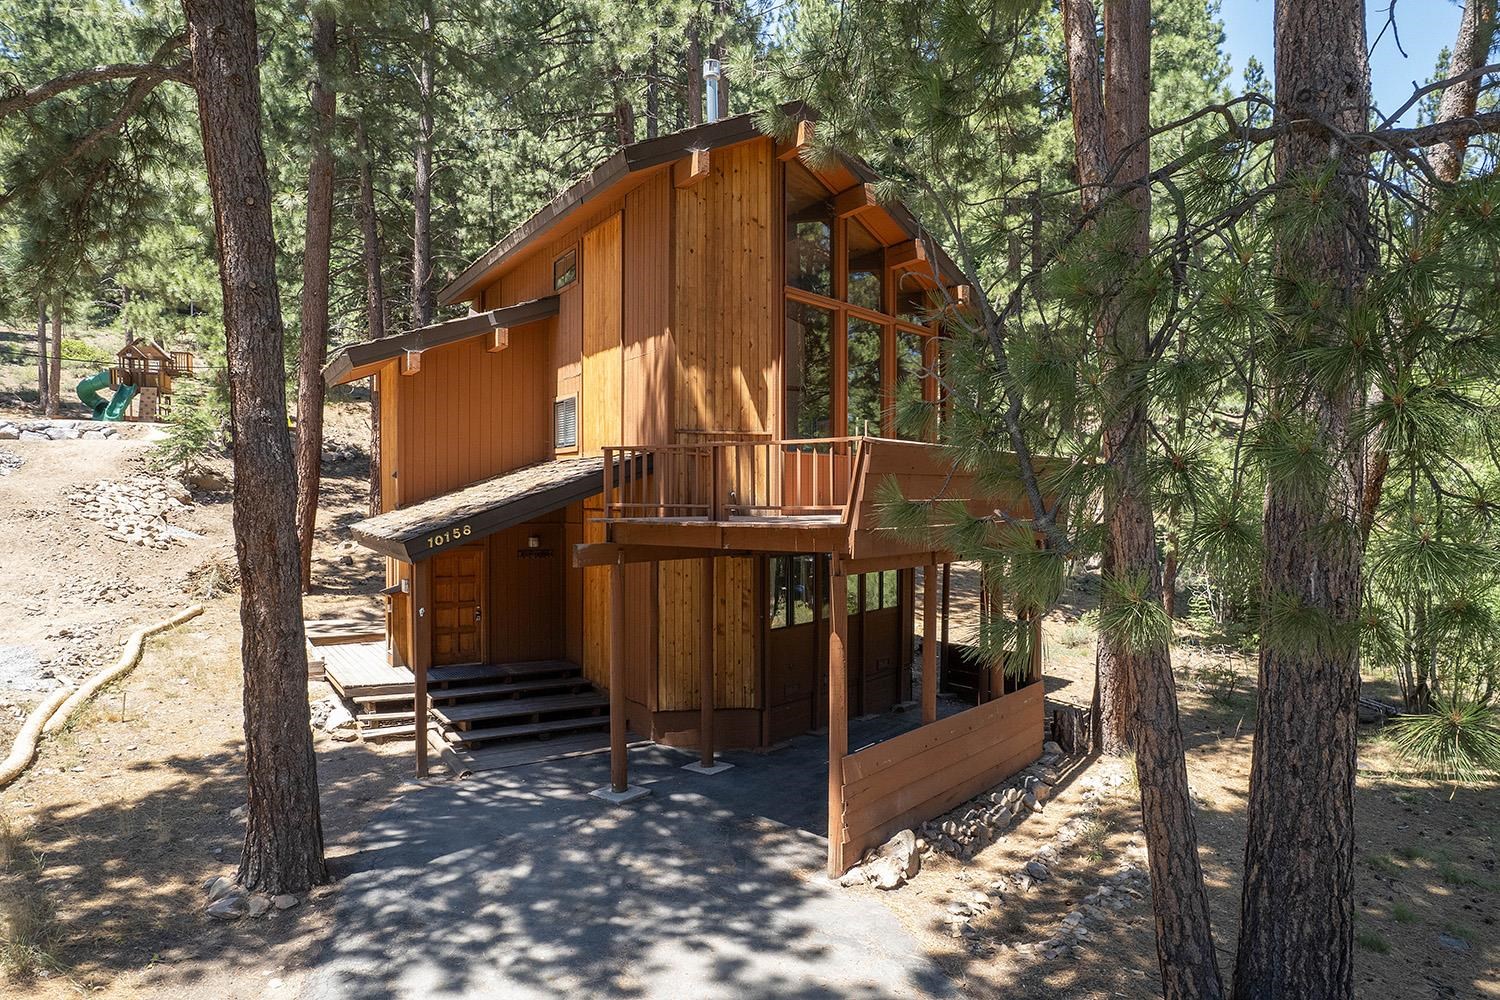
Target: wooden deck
column 357, row 669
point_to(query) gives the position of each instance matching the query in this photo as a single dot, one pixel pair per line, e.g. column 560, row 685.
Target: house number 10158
column 453, row 534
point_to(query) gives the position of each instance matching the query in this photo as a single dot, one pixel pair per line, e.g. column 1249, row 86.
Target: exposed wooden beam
column 801, row 139
column 691, row 169
column 587, row 554
column 854, row 200
column 906, row 254
column 499, row 339
column 411, row 362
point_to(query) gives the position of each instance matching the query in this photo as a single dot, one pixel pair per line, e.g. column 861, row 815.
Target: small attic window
column 565, row 270
column 565, row 423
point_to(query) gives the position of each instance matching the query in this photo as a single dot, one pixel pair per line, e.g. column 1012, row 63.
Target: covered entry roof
column 424, row 529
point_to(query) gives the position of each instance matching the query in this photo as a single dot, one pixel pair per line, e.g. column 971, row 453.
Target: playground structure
column 142, row 382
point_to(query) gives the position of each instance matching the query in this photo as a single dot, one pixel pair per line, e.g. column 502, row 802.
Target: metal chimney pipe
column 711, row 90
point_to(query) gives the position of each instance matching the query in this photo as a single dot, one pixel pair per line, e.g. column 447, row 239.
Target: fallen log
column 24, row 751
column 129, row 657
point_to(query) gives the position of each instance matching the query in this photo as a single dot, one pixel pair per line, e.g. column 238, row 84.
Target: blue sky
column 1426, row 27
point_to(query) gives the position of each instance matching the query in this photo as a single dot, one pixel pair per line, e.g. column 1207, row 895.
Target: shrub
column 1459, row 740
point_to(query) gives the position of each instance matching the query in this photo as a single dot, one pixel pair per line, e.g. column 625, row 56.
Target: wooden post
column 421, row 655
column 838, row 712
column 929, row 643
column 618, row 775
column 947, row 589
column 706, row 668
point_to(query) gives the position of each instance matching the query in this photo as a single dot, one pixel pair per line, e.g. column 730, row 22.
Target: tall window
column 809, row 371
column 809, row 232
column 866, row 341
column 866, row 257
column 791, row 590
column 856, row 328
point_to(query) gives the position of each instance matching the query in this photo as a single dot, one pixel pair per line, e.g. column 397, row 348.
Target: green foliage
column 1457, row 740
column 195, row 427
column 1131, row 615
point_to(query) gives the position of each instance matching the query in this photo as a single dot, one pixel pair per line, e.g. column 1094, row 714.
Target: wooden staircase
column 512, row 706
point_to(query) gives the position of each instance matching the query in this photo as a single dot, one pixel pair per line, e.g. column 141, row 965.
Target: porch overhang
column 357, row 361
column 421, row 531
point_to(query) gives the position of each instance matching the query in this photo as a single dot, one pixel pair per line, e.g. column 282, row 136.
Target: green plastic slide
column 105, row 409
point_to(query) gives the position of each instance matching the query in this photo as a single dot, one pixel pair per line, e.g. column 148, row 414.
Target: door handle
column 478, row 614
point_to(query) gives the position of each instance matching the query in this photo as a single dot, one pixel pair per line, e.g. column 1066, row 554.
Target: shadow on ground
column 516, row 884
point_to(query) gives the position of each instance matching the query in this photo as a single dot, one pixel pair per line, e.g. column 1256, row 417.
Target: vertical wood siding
column 470, row 414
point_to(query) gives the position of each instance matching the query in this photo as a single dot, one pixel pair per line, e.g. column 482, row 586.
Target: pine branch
column 18, row 99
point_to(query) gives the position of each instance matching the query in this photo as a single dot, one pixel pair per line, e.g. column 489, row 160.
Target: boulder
column 228, row 908
column 284, row 901
column 219, row 887
column 257, row 905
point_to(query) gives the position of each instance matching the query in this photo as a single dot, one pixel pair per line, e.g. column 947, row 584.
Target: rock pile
column 9, row 462
column 974, row 825
column 135, row 510
column 55, row 430
column 337, row 452
column 1119, row 892
column 227, row 901
column 891, row 865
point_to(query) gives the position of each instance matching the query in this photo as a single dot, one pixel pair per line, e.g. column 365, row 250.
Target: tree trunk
column 1111, row 701
column 54, row 363
column 1184, row 934
column 694, row 76
column 421, row 256
column 1471, row 49
column 283, row 849
column 624, row 110
column 42, row 368
column 720, row 51
column 314, row 314
column 1296, row 912
column 369, row 231
column 653, row 91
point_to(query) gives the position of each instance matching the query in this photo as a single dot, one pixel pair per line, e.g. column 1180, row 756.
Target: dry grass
column 28, row 924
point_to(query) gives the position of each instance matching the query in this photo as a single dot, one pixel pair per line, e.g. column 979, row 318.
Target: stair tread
column 383, row 699
column 519, row 707
column 462, row 737
column 498, row 671
column 509, row 687
column 364, row 717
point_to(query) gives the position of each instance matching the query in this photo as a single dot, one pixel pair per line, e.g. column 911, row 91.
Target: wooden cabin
column 634, row 488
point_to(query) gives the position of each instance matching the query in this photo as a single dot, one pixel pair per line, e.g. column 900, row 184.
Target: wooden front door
column 458, row 606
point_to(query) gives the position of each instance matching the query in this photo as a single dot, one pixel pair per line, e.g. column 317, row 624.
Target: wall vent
column 565, row 423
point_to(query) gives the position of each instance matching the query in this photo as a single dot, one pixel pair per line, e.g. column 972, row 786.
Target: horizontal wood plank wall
column 737, row 677
column 470, row 414
column 649, row 349
column 927, row 771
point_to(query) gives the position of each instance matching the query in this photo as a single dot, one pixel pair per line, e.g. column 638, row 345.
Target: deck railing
column 714, row 479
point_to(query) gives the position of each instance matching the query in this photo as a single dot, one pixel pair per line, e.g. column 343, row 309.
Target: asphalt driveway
column 516, row 884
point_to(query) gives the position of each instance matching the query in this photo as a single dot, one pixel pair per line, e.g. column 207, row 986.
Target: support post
column 929, row 642
column 619, row 790
column 947, row 589
column 421, row 655
column 707, row 601
column 618, row 767
column 838, row 712
column 706, row 668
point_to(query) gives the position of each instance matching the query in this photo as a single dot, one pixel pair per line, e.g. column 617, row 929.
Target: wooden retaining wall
column 927, row 771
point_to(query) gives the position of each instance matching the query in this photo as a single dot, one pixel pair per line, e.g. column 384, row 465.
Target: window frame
column 558, row 447
column 571, row 271
column 842, row 312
